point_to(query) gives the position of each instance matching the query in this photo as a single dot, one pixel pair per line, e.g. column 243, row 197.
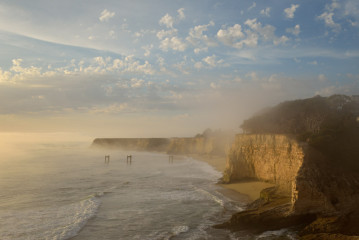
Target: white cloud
column 198, row 50
column 106, row 15
column 231, row 34
column 173, row 43
column 100, row 61
column 199, row 39
column 166, row 33
column 266, row 11
column 281, row 40
column 181, row 14
column 235, row 37
column 267, row 32
column 147, row 49
column 181, row 66
column 327, row 17
column 252, row 6
column 167, row 20
column 127, row 65
column 295, row 31
column 136, row 83
column 212, row 61
column 5, row 76
column 289, row 12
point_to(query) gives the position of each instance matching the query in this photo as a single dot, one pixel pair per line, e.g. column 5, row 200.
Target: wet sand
column 251, row 189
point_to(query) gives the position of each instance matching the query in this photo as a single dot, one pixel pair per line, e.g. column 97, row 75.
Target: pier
column 129, row 159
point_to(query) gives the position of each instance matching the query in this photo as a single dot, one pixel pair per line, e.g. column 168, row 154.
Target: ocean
column 67, row 191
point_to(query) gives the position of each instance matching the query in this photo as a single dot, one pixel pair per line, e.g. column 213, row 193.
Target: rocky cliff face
column 298, row 171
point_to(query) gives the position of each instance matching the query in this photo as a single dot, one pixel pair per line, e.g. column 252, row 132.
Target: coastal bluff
column 308, row 189
column 181, row 146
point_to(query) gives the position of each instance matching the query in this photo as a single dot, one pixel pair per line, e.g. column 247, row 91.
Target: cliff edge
column 308, row 189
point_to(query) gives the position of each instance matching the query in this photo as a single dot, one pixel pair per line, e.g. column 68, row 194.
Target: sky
column 118, row 68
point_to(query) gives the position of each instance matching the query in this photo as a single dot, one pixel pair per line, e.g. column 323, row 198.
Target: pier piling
column 129, row 159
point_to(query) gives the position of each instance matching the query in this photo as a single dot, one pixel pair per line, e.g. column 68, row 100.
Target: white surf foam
column 55, row 223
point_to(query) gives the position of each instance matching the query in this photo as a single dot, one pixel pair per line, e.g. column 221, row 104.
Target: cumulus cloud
column 267, row 32
column 173, row 43
column 289, row 12
column 167, row 20
column 106, row 15
column 181, row 14
column 166, row 33
column 137, row 83
column 266, row 11
column 230, row 35
column 198, row 50
column 212, row 61
column 327, row 17
column 238, row 38
column 200, row 40
column 295, row 31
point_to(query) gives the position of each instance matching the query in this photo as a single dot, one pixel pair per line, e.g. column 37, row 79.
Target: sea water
column 67, row 191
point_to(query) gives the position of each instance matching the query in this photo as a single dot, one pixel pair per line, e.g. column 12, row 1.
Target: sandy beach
column 235, row 191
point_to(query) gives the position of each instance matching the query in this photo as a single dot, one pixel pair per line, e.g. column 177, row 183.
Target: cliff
column 196, row 145
column 135, row 144
column 306, row 185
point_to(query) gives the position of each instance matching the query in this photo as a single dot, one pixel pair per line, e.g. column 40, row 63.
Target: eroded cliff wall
column 300, row 172
column 271, row 158
column 196, row 145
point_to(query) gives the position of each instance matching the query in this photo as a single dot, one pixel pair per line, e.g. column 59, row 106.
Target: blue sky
column 168, row 68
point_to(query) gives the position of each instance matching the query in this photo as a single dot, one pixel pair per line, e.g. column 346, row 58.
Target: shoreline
column 247, row 191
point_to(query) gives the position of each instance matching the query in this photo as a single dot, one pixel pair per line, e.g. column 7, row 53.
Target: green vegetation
column 329, row 124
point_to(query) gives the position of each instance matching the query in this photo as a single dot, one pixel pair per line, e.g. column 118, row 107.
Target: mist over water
column 62, row 190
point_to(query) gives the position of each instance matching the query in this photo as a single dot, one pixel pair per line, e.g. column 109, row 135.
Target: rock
column 308, row 187
column 326, row 236
column 268, row 213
